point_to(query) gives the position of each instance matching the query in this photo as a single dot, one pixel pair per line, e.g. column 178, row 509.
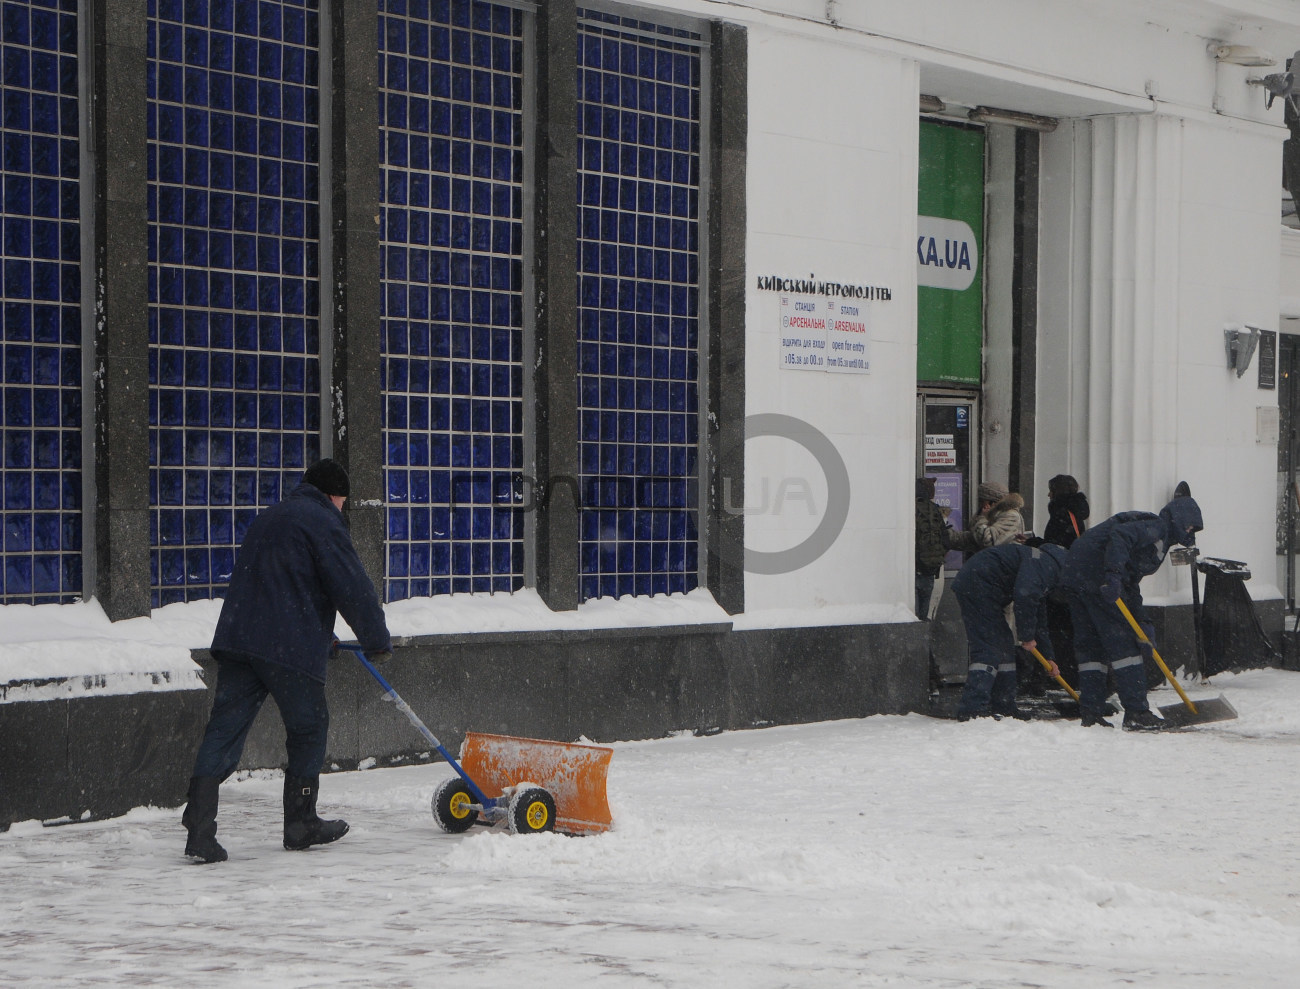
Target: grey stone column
column 119, row 307
column 350, row 138
column 555, row 283
column 726, row 305
column 1024, row 323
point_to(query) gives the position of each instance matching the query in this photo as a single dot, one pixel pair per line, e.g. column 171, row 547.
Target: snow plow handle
column 1155, row 655
column 1055, row 676
column 420, row 726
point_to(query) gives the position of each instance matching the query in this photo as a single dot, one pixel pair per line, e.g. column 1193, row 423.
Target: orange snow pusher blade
column 573, row 774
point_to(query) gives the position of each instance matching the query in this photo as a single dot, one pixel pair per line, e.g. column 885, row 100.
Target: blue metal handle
column 420, row 726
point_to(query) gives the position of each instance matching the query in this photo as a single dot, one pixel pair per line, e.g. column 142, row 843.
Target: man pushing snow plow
column 1103, row 570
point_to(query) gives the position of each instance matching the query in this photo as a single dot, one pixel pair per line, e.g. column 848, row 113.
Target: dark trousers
column 1061, row 628
column 924, row 591
column 1104, row 640
column 991, row 676
column 242, row 685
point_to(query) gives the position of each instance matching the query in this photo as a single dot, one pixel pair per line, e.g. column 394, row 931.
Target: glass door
column 947, row 452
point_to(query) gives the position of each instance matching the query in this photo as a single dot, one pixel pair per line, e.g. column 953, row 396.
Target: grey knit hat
column 991, row 491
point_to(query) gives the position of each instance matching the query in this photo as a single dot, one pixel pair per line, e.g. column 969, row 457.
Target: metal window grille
column 639, row 151
column 234, row 365
column 40, row 304
column 451, row 236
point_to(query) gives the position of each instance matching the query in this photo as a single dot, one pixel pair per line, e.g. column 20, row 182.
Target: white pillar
column 1109, row 309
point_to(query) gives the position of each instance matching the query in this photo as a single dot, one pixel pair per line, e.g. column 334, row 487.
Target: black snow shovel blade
column 1207, row 710
column 1189, row 712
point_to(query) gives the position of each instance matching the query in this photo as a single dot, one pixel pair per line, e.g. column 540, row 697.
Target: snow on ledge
column 100, row 684
column 50, row 651
column 525, row 611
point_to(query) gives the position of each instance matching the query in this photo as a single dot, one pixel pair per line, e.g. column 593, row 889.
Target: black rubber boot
column 200, row 819
column 1143, row 721
column 1019, row 713
column 302, row 828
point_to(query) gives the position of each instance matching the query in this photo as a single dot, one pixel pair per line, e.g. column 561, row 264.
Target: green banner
column 949, row 252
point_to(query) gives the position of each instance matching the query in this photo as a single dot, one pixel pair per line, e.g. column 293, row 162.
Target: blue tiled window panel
column 40, row 304
column 451, row 238
column 638, row 298
column 234, row 359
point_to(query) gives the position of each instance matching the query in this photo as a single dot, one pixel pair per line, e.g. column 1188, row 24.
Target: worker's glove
column 1149, row 631
column 379, row 658
column 1112, row 588
column 1147, row 651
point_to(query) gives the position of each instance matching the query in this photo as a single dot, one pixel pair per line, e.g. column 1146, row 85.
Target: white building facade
column 621, row 305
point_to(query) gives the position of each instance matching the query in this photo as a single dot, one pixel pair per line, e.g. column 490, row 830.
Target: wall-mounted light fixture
column 1239, row 344
column 932, row 104
column 1240, row 54
column 1028, row 121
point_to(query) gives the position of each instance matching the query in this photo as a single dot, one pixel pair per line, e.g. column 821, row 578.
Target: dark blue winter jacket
column 1019, row 575
column 297, row 567
column 1129, row 546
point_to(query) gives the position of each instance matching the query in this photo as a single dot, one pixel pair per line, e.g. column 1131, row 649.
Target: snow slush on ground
column 888, row 851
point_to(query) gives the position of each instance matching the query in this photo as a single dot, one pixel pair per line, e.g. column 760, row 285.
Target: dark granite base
column 93, row 757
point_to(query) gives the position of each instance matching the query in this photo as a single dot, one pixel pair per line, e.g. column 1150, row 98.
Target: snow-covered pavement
column 898, row 851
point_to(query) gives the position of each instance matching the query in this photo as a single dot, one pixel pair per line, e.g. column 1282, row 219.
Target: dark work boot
column 1143, row 721
column 1089, row 720
column 302, row 828
column 200, row 819
column 1011, row 711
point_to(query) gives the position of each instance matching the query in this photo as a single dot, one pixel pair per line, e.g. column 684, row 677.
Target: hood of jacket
column 1179, row 515
column 1008, row 503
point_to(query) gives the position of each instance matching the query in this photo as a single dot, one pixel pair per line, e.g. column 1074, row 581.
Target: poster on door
column 940, row 451
column 949, row 494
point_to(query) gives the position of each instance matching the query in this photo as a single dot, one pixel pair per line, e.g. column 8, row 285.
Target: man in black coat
column 931, row 544
column 296, row 568
column 1104, row 565
column 1013, row 574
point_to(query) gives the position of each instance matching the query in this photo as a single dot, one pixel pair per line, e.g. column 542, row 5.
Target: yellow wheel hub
column 537, row 815
column 459, row 806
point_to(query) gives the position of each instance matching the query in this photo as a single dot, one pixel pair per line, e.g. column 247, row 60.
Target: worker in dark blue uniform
column 1015, row 574
column 295, row 569
column 1104, row 565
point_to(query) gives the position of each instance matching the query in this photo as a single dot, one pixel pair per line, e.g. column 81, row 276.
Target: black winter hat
column 327, row 476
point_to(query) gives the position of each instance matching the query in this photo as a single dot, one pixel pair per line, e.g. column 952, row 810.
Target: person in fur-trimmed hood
column 999, row 520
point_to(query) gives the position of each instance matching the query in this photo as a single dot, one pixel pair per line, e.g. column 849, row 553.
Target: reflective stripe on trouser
column 1103, row 640
column 988, row 690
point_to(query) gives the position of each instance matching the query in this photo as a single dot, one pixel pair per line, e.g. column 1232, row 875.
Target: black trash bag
column 1232, row 637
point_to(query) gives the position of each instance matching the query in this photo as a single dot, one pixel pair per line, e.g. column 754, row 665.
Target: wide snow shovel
column 529, row 784
column 1189, row 712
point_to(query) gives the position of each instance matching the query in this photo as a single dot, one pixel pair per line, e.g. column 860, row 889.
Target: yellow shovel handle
column 1056, row 676
column 1159, row 662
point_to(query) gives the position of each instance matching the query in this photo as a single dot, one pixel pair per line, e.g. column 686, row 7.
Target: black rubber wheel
column 451, row 806
column 532, row 810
